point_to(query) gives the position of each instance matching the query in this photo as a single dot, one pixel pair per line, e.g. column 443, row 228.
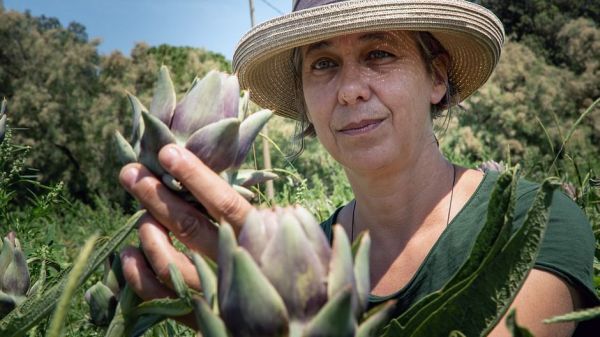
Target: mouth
column 361, row 127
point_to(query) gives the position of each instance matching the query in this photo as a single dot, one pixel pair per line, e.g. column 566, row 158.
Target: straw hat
column 471, row 34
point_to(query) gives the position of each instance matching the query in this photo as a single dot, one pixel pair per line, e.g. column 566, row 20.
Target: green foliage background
column 65, row 100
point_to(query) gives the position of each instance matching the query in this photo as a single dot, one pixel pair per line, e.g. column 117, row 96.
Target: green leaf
column 514, row 328
column 209, row 324
column 168, row 307
column 495, row 283
column 163, row 101
column 362, row 274
column 33, row 309
column 576, row 316
column 341, row 272
column 335, row 319
column 73, row 282
column 208, row 279
column 376, row 320
column 124, row 320
column 492, row 236
column 156, row 135
column 124, row 152
column 181, row 289
column 138, row 123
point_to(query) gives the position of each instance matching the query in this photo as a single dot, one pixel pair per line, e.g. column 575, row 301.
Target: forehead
column 397, row 38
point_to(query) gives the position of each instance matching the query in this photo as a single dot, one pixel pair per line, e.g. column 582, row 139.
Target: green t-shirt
column 567, row 249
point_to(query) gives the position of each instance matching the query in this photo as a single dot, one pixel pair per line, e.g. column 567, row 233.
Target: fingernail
column 128, row 176
column 169, row 155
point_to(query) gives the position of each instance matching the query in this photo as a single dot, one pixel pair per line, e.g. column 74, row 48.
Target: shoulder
column 569, row 244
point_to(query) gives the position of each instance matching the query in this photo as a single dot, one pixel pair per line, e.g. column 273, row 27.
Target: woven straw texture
column 470, row 33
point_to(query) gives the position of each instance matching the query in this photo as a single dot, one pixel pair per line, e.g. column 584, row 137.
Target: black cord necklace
column 449, row 206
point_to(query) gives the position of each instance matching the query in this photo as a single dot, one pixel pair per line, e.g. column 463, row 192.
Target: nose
column 353, row 87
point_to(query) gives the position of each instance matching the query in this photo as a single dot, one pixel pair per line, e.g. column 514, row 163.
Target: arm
column 542, row 296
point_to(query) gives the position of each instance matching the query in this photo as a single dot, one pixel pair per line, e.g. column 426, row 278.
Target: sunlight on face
column 368, row 96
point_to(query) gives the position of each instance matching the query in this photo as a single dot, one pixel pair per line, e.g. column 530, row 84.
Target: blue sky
column 216, row 25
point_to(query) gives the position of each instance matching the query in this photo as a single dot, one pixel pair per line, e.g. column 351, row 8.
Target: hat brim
column 472, row 35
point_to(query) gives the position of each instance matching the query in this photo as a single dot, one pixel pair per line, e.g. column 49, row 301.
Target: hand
column 148, row 273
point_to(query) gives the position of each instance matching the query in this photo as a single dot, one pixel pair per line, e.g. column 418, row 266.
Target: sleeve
column 569, row 244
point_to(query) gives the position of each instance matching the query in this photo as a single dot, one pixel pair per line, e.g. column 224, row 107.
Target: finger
column 140, row 277
column 144, row 283
column 186, row 222
column 159, row 252
column 220, row 200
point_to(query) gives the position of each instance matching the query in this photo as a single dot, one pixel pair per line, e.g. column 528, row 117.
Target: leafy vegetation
column 57, row 177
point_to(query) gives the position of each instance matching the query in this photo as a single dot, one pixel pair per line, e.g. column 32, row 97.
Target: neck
column 398, row 204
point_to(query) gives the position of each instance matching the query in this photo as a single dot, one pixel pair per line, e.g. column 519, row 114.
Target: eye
column 322, row 64
column 378, row 54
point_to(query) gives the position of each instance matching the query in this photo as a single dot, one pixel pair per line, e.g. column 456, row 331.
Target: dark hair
column 430, row 49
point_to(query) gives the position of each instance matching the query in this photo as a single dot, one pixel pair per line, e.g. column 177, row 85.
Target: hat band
column 304, row 4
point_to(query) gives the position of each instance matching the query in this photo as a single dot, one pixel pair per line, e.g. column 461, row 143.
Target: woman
column 366, row 77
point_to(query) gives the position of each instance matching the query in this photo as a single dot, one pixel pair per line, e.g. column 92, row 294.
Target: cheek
column 317, row 101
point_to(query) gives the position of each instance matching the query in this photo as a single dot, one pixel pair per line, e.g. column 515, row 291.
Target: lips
column 360, row 127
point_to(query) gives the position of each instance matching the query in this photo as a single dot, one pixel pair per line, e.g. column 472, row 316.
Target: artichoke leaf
column 163, row 101
column 341, row 273
column 168, row 307
column 294, row 269
column 362, row 275
column 156, row 135
column 137, row 129
column 124, row 152
column 208, row 279
column 216, row 144
column 265, row 315
column 231, row 96
column 209, row 324
column 376, row 319
column 335, row 319
column 247, row 178
column 313, row 231
column 199, row 107
column 249, row 129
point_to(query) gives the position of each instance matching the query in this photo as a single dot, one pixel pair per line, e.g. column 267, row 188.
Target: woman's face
column 368, row 96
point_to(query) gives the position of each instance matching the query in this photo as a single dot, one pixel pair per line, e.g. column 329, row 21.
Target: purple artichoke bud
column 6, row 257
column 283, row 279
column 102, row 302
column 491, row 165
column 15, row 280
column 2, row 120
column 7, row 304
column 240, row 279
column 209, row 121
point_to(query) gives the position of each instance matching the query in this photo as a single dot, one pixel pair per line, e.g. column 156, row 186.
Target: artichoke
column 210, row 121
column 491, row 165
column 2, row 121
column 283, row 279
column 102, row 297
column 14, row 274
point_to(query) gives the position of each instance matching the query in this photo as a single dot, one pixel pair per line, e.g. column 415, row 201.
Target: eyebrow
column 367, row 37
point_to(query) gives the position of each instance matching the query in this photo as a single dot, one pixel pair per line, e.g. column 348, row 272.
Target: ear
column 439, row 78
